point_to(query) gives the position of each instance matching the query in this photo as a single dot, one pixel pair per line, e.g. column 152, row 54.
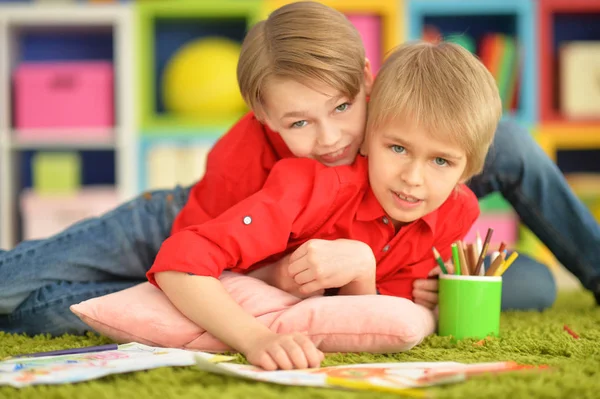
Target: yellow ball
column 200, row 79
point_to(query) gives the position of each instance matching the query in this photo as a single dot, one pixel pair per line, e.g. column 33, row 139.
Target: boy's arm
column 244, row 235
column 320, row 264
column 204, row 301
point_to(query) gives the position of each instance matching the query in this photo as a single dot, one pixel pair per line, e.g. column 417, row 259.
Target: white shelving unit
column 119, row 18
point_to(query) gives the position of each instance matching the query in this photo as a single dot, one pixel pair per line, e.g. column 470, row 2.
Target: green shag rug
column 527, row 337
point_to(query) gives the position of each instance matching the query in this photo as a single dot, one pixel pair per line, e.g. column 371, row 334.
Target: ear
column 368, row 77
column 363, row 150
column 259, row 114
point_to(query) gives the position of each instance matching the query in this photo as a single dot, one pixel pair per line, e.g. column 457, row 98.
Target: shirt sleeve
column 297, row 197
column 208, row 199
column 230, row 177
column 455, row 226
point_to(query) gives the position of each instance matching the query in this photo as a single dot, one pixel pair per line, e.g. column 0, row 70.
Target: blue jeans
column 39, row 280
column 519, row 169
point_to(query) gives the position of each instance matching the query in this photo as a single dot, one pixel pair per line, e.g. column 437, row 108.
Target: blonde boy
column 432, row 117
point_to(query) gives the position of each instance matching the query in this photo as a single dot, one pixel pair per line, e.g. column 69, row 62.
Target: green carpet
column 527, row 337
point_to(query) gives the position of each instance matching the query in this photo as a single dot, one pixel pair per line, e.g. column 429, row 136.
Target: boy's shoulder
column 304, row 175
column 460, row 209
column 246, row 143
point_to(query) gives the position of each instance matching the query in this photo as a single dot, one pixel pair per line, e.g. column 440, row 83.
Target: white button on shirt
column 247, row 220
column 385, row 220
column 386, row 248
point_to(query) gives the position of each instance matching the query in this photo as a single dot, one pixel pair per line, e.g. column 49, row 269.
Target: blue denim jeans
column 519, row 169
column 40, row 279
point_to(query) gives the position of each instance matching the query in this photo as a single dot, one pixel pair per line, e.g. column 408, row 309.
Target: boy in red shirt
column 432, row 117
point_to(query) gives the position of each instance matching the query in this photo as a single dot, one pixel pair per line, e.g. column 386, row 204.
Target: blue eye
column 398, row 149
column 299, row 124
column 342, row 107
column 441, row 161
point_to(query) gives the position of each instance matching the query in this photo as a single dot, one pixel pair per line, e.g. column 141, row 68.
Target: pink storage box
column 64, row 95
column 505, row 225
column 369, row 27
column 46, row 215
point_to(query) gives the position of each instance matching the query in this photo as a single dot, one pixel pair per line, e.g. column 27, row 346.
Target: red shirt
column 236, row 167
column 303, row 199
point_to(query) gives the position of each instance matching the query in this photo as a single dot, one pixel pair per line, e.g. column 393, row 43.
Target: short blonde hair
column 305, row 41
column 443, row 89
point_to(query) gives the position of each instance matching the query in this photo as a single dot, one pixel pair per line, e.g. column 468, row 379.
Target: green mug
column 469, row 306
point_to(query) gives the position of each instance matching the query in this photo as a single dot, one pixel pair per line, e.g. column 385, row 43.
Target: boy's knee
column 528, row 285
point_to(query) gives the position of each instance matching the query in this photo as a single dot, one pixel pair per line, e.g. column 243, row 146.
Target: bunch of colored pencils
column 469, row 258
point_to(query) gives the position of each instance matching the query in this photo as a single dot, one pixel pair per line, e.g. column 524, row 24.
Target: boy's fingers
column 297, row 266
column 266, row 362
column 434, row 272
column 426, row 285
column 426, row 304
column 279, row 355
column 426, row 296
column 304, row 277
column 314, row 356
column 295, row 353
column 311, row 288
column 301, row 251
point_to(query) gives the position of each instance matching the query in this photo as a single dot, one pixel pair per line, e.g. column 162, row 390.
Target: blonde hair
column 443, row 89
column 305, row 41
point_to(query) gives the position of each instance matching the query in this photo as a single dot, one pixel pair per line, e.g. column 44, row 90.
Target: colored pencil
column 502, row 247
column 456, row 259
column 464, row 266
column 439, row 260
column 506, row 264
column 72, row 351
column 478, row 243
column 483, row 252
column 472, row 254
column 496, row 264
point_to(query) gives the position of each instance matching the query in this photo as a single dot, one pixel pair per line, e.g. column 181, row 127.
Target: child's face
column 322, row 125
column 412, row 173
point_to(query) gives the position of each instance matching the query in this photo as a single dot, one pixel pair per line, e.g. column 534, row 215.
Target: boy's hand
column 284, row 351
column 320, row 264
column 425, row 291
column 283, row 280
column 277, row 275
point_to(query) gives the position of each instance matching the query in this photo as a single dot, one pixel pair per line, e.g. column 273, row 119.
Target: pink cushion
column 367, row 323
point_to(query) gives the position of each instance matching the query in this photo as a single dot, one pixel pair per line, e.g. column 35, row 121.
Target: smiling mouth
column 407, row 198
column 336, row 155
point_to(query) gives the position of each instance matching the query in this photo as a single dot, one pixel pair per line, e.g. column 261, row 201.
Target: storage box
column 56, row 172
column 46, row 215
column 505, row 225
column 64, row 95
column 580, row 79
column 369, row 27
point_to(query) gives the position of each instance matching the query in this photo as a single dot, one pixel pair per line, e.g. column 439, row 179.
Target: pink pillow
column 367, row 323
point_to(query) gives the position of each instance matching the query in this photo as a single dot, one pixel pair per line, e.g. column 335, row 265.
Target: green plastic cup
column 469, row 306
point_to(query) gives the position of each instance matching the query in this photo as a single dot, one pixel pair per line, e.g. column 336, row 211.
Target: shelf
column 555, row 137
column 31, row 32
column 390, row 13
column 100, row 139
column 163, row 28
column 477, row 18
column 62, row 14
column 561, row 21
column 168, row 160
column 185, row 127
